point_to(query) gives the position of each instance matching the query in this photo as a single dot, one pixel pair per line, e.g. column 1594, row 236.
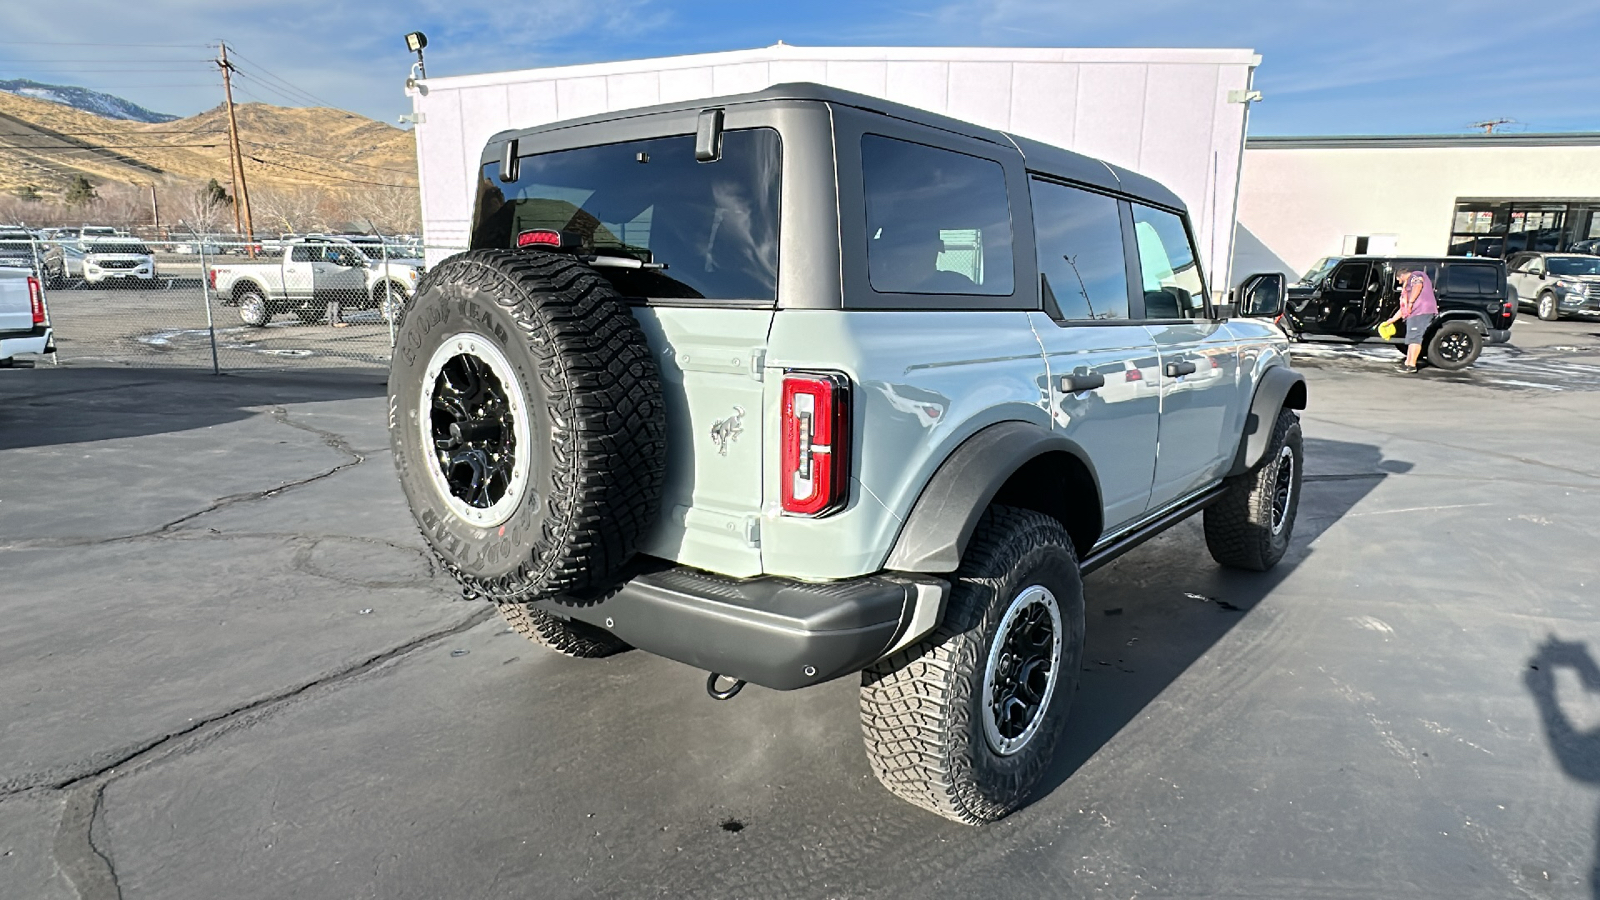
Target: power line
column 268, row 162
column 263, row 70
column 329, row 159
column 82, row 44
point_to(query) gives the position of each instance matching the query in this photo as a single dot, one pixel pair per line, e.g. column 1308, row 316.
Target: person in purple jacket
column 1418, row 307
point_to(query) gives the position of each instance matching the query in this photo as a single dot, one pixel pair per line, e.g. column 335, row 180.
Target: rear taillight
column 1133, row 375
column 211, row 278
column 36, row 299
column 816, row 443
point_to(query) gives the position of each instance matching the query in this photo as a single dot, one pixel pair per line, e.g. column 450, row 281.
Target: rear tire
column 965, row 722
column 569, row 638
column 253, row 309
column 1454, row 345
column 1249, row 527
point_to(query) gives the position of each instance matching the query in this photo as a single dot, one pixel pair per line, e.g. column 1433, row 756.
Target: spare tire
column 526, row 419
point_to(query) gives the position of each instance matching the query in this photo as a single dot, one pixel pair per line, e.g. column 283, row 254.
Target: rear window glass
column 937, row 221
column 711, row 227
column 1473, row 280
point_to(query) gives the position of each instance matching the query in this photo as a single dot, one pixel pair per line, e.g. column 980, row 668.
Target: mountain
column 108, row 105
column 45, row 144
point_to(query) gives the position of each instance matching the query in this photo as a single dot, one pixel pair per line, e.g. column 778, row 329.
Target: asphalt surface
column 228, row 669
column 164, row 324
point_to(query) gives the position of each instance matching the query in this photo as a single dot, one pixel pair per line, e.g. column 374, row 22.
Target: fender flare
column 941, row 522
column 1279, row 386
column 1462, row 315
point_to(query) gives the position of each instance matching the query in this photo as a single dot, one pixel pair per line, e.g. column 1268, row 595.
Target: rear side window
column 937, row 221
column 1479, row 281
column 1081, row 265
column 1173, row 287
column 708, row 231
column 306, row 253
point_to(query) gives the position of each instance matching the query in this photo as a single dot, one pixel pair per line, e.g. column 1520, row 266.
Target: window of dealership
column 1500, row 228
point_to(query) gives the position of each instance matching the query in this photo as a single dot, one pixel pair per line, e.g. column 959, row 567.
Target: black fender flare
column 941, row 522
column 1462, row 315
column 1278, row 387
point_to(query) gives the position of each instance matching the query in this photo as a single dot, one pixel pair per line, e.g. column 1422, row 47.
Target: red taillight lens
column 539, row 237
column 1133, row 375
column 36, row 300
column 816, row 443
column 211, row 277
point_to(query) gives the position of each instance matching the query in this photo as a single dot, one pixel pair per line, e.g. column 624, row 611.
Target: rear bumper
column 1499, row 335
column 39, row 340
column 773, row 632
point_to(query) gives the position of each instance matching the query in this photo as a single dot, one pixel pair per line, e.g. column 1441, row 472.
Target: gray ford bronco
column 801, row 384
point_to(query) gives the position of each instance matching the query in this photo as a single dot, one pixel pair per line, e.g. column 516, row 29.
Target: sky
column 1354, row 67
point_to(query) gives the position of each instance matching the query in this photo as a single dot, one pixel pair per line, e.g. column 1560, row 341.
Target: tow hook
column 723, row 693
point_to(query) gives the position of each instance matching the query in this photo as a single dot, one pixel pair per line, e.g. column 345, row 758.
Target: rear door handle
column 1082, row 381
column 1177, row 369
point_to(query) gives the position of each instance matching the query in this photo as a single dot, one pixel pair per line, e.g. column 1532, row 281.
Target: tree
column 80, row 192
column 216, row 194
column 394, row 210
column 293, row 210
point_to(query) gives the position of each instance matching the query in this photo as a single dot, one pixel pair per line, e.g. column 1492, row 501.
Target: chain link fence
column 313, row 301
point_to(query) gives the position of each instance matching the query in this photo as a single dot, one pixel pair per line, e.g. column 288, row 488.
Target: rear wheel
column 253, row 308
column 1249, row 526
column 1549, row 309
column 566, row 637
column 1454, row 345
column 387, row 298
column 965, row 722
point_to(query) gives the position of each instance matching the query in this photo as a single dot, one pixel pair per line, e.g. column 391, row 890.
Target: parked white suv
column 117, row 259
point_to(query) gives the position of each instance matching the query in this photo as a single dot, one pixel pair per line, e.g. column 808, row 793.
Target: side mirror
column 1263, row 296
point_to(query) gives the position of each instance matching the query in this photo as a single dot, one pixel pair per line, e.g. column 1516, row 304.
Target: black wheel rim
column 473, row 435
column 1021, row 674
column 1282, row 490
column 1455, row 346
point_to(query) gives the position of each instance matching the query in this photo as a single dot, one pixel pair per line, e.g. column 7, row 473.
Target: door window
column 938, row 222
column 1351, row 276
column 1082, row 269
column 1173, row 286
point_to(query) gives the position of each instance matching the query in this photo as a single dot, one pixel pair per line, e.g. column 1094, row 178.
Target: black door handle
column 1082, row 381
column 1179, row 368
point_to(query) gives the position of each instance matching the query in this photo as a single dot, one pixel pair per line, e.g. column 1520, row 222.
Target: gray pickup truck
column 803, row 384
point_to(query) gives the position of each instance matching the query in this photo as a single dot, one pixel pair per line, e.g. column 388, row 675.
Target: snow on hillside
column 101, row 104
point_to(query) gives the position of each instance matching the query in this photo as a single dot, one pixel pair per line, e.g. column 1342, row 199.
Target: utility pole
column 241, row 192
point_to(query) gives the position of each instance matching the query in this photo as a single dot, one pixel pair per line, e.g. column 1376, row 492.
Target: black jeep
column 1348, row 297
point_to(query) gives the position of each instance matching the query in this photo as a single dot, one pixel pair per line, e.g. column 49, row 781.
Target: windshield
column 133, row 249
column 1323, row 267
column 1568, row 265
column 711, row 227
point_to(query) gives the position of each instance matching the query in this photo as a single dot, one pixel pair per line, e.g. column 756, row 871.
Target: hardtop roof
column 1038, row 156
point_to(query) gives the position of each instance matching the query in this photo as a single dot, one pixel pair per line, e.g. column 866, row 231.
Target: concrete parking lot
column 229, row 669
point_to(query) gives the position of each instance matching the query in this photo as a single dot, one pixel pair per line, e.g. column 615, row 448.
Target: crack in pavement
column 281, row 416
column 89, row 866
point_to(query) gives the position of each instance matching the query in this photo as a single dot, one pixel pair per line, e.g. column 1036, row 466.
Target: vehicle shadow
column 1154, row 612
column 50, row 406
column 1577, row 752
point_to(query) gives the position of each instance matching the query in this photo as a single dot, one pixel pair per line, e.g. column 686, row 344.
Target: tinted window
column 937, row 221
column 1173, row 288
column 1350, row 277
column 1081, row 267
column 713, row 227
column 1566, row 265
column 1482, row 281
column 306, row 253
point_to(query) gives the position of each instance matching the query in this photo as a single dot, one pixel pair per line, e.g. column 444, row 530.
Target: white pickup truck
column 24, row 320
column 305, row 276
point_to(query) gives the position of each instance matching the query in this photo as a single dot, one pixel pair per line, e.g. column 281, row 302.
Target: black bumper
column 773, row 632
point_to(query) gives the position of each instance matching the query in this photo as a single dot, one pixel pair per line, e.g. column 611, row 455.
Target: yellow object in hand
column 1386, row 330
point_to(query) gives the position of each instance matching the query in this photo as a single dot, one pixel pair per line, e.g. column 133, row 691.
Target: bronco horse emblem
column 727, row 430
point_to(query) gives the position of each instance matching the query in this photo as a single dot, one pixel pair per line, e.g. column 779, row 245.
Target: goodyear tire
column 965, row 722
column 1250, row 525
column 527, row 424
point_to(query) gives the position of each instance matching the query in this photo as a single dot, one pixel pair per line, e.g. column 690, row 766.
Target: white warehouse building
column 1178, row 116
column 1303, row 198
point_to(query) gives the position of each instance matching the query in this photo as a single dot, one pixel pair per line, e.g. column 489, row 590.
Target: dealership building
column 1303, row 198
column 1177, row 115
